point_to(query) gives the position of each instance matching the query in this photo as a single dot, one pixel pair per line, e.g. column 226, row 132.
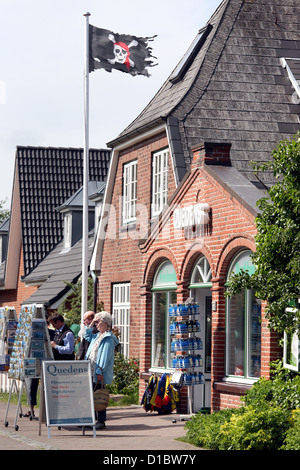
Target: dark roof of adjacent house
column 231, row 86
column 4, row 227
column 56, row 268
column 62, row 264
column 47, row 177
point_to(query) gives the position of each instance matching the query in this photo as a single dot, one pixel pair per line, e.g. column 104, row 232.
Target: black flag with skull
column 123, row 52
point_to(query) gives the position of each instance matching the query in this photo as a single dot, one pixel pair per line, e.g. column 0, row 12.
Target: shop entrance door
column 202, row 392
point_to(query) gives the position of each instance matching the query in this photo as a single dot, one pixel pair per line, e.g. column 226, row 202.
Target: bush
column 292, row 440
column 204, row 430
column 282, row 391
column 255, row 429
column 269, row 418
column 126, row 377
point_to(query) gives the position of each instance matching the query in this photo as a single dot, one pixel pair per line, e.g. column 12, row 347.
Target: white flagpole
column 85, row 175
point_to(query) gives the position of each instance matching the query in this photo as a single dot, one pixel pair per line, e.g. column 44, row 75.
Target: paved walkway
column 127, row 429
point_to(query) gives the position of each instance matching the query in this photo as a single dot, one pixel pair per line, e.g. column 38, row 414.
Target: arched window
column 201, row 275
column 243, row 326
column 164, row 287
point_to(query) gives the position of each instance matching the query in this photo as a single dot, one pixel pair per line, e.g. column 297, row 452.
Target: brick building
column 180, row 200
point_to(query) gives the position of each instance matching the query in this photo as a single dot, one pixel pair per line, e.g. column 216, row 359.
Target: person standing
column 88, row 317
column 63, row 340
column 101, row 353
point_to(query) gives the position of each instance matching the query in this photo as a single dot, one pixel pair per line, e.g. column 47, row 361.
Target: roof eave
column 136, row 132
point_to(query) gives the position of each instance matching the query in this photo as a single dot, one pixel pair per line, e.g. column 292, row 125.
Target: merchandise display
column 31, row 345
column 185, row 344
column 8, row 327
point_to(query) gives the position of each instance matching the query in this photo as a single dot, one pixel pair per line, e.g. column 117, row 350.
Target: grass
column 4, row 396
column 120, row 400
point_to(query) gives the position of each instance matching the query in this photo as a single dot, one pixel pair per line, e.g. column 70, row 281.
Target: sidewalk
column 127, row 429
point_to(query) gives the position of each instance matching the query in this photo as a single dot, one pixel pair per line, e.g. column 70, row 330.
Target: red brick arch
column 239, row 242
column 190, row 259
column 154, row 261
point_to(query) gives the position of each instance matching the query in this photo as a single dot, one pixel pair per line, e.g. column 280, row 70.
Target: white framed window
column 159, row 181
column 68, row 231
column 129, row 192
column 121, row 314
column 201, row 275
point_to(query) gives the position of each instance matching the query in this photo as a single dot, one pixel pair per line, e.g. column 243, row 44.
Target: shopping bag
column 101, row 398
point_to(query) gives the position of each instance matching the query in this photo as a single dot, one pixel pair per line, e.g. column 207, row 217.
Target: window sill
column 238, row 388
column 128, row 226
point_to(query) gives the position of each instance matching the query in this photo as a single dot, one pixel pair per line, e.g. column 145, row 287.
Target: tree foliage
column 70, row 308
column 4, row 213
column 277, row 257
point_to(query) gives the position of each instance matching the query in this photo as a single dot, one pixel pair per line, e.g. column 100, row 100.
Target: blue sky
column 42, row 63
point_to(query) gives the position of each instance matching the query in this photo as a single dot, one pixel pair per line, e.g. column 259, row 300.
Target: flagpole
column 85, row 174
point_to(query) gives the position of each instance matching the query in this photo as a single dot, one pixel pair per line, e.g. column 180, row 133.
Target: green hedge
column 268, row 419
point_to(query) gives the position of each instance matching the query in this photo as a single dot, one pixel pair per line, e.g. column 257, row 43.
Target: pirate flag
column 129, row 54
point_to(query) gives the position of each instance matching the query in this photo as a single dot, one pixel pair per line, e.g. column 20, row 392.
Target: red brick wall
column 121, row 256
column 231, row 229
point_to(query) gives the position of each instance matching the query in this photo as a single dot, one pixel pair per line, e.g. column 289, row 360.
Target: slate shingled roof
column 235, row 89
column 47, row 177
column 57, row 267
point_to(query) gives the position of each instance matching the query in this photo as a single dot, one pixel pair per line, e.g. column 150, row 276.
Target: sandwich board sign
column 68, row 394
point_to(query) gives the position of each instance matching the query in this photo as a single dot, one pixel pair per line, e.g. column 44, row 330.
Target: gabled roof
column 76, row 200
column 44, row 178
column 235, row 89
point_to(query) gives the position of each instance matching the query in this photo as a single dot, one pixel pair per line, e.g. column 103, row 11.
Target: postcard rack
column 31, row 346
column 8, row 325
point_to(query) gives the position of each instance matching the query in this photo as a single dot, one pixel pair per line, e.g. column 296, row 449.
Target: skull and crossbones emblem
column 121, row 52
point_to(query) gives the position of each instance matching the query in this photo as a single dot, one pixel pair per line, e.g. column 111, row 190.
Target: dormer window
column 67, row 231
column 190, row 55
column 72, row 211
column 292, row 66
column 3, row 240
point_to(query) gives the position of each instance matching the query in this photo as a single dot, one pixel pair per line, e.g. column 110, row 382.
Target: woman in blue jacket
column 101, row 354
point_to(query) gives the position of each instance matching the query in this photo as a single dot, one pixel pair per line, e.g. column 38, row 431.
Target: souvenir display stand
column 186, row 346
column 8, row 326
column 30, row 348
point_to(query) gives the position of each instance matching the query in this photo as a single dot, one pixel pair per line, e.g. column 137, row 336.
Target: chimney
column 211, row 153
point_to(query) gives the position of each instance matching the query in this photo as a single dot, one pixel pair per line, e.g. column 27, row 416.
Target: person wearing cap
column 88, row 317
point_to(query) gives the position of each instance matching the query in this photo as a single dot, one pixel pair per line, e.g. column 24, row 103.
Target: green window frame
column 243, row 327
column 163, row 295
